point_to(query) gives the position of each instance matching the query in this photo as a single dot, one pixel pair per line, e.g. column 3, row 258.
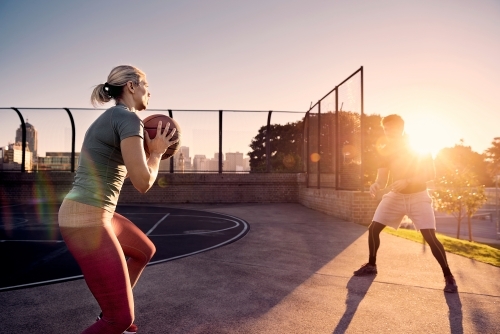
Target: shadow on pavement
column 455, row 312
column 357, row 287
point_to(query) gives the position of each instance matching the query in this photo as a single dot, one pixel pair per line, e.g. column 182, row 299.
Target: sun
column 429, row 134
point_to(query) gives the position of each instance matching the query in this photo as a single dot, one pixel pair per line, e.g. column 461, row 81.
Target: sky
column 434, row 62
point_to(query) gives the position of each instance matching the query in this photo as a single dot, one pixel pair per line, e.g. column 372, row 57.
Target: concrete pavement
column 292, row 273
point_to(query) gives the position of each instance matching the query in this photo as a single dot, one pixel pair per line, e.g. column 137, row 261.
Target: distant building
column 186, row 165
column 31, row 138
column 199, row 162
column 246, row 164
column 234, row 162
column 213, row 164
column 181, row 163
column 12, row 157
column 57, row 161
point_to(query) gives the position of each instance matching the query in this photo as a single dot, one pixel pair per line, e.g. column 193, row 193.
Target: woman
column 99, row 238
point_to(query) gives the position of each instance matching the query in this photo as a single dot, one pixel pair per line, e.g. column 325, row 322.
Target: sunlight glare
column 429, row 134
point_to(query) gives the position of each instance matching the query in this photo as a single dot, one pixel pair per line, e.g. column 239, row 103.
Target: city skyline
column 63, row 158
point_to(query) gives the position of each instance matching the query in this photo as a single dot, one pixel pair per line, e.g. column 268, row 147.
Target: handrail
column 23, row 129
column 72, row 140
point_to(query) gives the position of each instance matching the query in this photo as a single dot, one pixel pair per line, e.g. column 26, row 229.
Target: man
column 407, row 196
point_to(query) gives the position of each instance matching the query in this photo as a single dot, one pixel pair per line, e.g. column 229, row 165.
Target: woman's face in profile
column 142, row 95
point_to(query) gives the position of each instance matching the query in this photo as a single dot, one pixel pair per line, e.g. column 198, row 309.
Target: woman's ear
column 130, row 86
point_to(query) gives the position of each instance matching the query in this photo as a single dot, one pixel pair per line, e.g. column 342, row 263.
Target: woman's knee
column 152, row 250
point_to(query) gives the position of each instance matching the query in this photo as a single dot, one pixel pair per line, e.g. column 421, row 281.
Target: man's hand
column 374, row 188
column 399, row 185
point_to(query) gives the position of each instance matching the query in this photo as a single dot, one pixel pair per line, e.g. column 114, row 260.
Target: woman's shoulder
column 119, row 112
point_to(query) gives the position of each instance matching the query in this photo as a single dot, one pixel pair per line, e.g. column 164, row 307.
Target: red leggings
column 100, row 252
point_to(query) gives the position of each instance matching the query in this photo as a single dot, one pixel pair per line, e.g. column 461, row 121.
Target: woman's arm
column 143, row 170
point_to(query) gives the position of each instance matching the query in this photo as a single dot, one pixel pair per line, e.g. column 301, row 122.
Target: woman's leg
column 135, row 244
column 102, row 261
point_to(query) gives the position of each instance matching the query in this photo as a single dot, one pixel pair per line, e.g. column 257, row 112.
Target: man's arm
column 380, row 181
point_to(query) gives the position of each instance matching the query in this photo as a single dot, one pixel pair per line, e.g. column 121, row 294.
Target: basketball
column 151, row 125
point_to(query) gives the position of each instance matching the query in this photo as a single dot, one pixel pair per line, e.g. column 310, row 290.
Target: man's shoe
column 451, row 285
column 131, row 330
column 366, row 270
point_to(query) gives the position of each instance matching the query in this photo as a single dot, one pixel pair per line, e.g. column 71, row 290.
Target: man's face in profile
column 393, row 130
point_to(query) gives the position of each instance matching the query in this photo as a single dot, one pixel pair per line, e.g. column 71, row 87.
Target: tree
column 464, row 159
column 458, row 193
column 286, row 143
column 475, row 200
column 492, row 158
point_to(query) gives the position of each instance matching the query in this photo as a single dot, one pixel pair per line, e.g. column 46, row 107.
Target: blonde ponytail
column 99, row 96
column 117, row 79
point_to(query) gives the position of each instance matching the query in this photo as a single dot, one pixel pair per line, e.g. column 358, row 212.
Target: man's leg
column 440, row 255
column 374, row 241
column 370, row 268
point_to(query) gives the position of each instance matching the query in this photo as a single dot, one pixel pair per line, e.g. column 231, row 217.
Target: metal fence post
column 220, row 141
column 268, row 142
column 306, row 157
column 23, row 129
column 72, row 140
column 319, row 144
column 171, row 159
column 337, row 139
column 362, row 144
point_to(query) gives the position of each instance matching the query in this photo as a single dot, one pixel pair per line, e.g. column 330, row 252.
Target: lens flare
column 289, row 161
column 45, row 200
column 315, row 157
column 162, row 182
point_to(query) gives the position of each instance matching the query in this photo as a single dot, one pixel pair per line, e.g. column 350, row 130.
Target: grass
column 472, row 250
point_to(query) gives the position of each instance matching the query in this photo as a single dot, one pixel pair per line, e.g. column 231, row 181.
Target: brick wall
column 217, row 188
column 201, row 188
column 169, row 188
column 354, row 206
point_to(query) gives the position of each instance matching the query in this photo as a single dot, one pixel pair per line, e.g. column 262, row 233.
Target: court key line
column 236, row 224
column 158, row 223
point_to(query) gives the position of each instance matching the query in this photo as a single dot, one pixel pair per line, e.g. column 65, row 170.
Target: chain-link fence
column 334, row 137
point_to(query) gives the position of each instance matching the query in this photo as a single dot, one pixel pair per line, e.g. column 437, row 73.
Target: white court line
column 158, row 223
column 31, row 241
column 9, row 206
column 42, row 282
column 150, row 263
column 236, row 224
column 212, row 247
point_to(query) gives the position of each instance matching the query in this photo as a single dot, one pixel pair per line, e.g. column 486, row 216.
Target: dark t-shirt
column 101, row 170
column 404, row 163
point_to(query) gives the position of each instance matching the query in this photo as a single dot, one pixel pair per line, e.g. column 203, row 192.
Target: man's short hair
column 393, row 118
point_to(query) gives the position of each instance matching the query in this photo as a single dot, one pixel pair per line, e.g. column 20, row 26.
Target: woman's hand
column 161, row 142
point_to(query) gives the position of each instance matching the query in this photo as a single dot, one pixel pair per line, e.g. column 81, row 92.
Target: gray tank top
column 101, row 170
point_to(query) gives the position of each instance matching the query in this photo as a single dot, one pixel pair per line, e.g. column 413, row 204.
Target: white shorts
column 417, row 206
